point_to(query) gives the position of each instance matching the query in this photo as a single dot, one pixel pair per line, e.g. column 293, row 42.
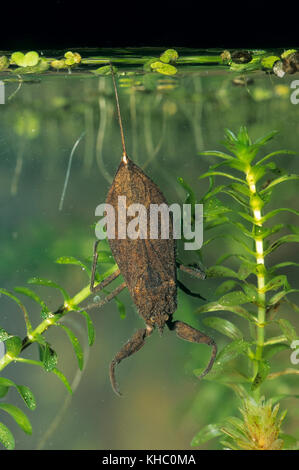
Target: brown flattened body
column 147, row 265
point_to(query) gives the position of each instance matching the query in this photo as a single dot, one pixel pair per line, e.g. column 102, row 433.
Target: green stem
column 256, row 205
column 52, row 319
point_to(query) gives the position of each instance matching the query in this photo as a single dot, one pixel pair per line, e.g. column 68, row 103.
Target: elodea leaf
column 6, row 437
column 33, row 296
column 263, row 371
column 22, row 307
column 76, row 345
column 273, row 349
column 48, row 357
column 18, row 415
column 27, row 396
column 277, row 181
column 287, row 329
column 89, row 325
column 223, row 326
column 4, row 335
column 234, row 298
column 277, row 211
column 24, row 391
column 277, row 297
column 221, row 271
column 73, row 260
column 276, row 283
column 291, row 238
column 213, row 207
column 63, row 379
column 4, row 386
column 6, row 382
column 206, row 434
column 225, row 287
column 13, row 346
column 237, row 309
column 191, row 198
column 231, row 351
column 46, row 282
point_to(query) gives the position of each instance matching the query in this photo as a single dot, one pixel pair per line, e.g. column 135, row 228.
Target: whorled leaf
column 75, row 261
column 232, row 351
column 63, row 379
column 234, row 298
column 18, row 415
column 277, row 181
column 4, row 335
column 274, row 154
column 48, row 357
column 75, row 342
column 277, row 282
column 206, row 434
column 27, row 396
column 29, row 293
column 6, row 437
column 23, row 390
column 46, row 282
column 291, row 238
column 272, row 349
column 273, row 213
column 191, row 198
column 225, row 287
column 21, row 305
column 221, row 271
column 223, row 326
column 13, row 346
column 237, row 309
column 89, row 325
column 287, row 329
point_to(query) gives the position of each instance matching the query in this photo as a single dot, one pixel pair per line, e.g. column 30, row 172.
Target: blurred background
column 167, row 122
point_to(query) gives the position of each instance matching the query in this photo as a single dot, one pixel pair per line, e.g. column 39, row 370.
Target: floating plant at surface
column 256, row 292
column 287, row 62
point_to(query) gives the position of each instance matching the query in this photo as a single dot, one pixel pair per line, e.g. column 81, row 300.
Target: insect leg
column 132, row 346
column 108, row 279
column 194, row 270
column 189, row 333
column 188, row 291
column 106, row 299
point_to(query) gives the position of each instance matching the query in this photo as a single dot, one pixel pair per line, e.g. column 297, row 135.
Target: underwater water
column 168, row 121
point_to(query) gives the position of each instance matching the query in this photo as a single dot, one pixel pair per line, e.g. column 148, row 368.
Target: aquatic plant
column 256, row 292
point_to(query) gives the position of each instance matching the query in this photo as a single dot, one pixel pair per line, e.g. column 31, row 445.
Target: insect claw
column 133, row 345
column 113, row 380
column 212, row 360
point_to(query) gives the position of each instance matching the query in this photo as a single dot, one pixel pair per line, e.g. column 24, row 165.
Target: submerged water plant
column 256, row 292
